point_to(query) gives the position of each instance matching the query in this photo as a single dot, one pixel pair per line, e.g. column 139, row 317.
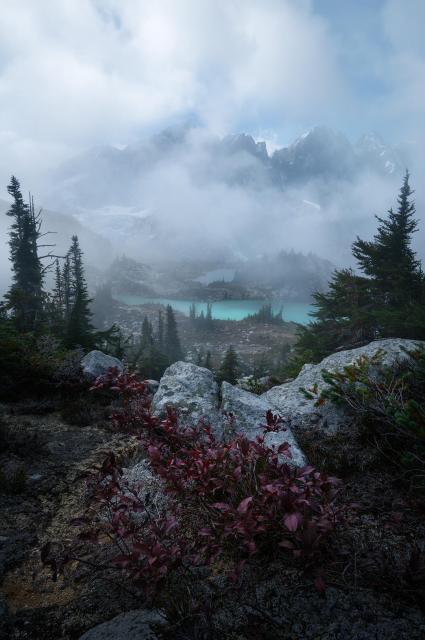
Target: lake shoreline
column 298, row 312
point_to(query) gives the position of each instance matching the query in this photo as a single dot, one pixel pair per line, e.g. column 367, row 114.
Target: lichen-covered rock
column 193, row 391
column 96, row 363
column 190, row 389
column 301, row 412
column 141, row 478
column 132, row 625
column 249, row 413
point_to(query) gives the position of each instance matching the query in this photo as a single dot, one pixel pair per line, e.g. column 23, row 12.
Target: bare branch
column 51, row 255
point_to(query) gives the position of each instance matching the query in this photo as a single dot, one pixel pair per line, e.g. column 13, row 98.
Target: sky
column 88, row 72
column 85, row 73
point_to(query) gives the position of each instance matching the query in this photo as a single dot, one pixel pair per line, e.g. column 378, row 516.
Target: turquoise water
column 228, row 309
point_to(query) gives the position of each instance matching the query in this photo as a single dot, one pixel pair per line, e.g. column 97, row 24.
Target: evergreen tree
column 25, row 297
column 145, row 353
column 58, row 291
column 261, row 366
column 208, row 362
column 147, row 332
column 209, row 322
column 160, row 335
column 79, row 330
column 229, row 368
column 192, row 312
column 388, row 300
column 397, row 280
column 56, row 312
column 173, row 349
column 66, row 286
column 343, row 317
column 113, row 341
column 265, row 315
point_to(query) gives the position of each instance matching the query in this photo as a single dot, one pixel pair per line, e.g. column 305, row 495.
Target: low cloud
column 91, row 72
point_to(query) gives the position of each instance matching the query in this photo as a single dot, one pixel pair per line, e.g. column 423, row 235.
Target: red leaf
column 243, row 506
column 222, row 506
column 320, row 584
column 291, row 521
column 286, row 544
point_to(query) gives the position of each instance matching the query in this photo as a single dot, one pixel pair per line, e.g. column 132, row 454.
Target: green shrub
column 32, row 364
column 389, row 403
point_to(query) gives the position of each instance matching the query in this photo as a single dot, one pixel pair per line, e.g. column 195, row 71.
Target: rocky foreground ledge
column 372, row 570
column 194, row 392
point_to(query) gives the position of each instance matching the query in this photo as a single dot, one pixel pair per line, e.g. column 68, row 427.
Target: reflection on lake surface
column 228, row 309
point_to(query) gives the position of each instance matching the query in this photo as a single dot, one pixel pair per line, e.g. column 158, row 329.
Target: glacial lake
column 228, row 309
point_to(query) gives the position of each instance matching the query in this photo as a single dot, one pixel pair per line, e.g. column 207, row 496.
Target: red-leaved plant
column 224, row 499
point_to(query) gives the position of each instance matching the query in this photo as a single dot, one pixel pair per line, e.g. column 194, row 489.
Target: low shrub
column 389, row 404
column 34, row 365
column 225, row 500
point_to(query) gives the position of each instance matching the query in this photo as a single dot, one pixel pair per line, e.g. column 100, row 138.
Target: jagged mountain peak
column 236, row 142
column 106, row 175
column 374, row 154
column 371, row 141
column 320, row 134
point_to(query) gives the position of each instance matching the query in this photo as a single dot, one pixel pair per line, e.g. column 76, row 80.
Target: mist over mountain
column 106, row 175
column 185, row 192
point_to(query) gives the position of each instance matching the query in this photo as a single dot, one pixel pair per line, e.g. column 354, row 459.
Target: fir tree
column 66, row 285
column 160, row 334
column 58, row 291
column 208, row 361
column 147, row 332
column 173, row 349
column 343, row 317
column 25, row 297
column 56, row 312
column 79, row 330
column 209, row 322
column 229, row 368
column 387, row 300
column 389, row 261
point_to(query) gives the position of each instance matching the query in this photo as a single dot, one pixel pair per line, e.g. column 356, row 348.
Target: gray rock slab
column 132, row 625
column 191, row 390
column 96, row 363
column 301, row 412
column 249, row 413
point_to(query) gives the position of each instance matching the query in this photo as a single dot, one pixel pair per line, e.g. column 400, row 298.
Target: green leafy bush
column 389, row 403
column 33, row 364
